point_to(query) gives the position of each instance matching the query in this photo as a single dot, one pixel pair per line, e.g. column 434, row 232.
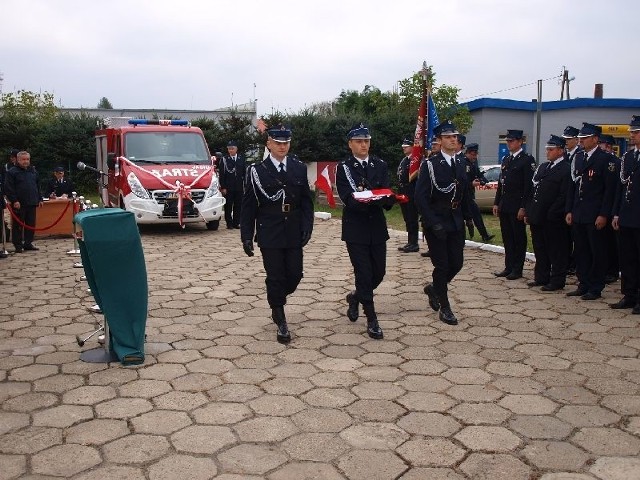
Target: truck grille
column 163, row 196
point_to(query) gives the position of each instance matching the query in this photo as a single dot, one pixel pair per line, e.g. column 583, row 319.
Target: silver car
column 485, row 194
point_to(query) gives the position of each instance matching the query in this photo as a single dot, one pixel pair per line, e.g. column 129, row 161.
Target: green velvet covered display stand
column 113, row 262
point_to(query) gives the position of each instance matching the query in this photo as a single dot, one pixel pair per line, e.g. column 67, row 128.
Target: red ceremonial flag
column 324, row 184
column 418, row 140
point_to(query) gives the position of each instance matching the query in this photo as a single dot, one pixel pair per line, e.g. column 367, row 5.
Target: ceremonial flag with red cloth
column 324, row 184
column 427, row 120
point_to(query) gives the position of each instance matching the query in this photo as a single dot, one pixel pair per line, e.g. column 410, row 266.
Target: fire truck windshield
column 165, row 147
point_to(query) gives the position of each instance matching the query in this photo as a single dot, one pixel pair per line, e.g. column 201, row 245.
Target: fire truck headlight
column 214, row 188
column 136, row 187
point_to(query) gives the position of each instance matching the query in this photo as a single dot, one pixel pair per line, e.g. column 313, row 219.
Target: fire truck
column 161, row 170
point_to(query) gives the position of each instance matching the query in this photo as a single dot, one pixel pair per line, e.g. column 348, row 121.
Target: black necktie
column 453, row 166
column 364, row 168
column 282, row 173
column 636, row 155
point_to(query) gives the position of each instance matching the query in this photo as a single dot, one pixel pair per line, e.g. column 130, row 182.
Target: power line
column 512, row 88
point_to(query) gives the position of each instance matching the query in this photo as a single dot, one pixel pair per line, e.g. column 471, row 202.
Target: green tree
column 105, row 104
column 28, row 104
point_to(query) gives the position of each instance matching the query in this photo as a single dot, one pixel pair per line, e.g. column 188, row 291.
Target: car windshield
column 166, row 147
column 492, row 174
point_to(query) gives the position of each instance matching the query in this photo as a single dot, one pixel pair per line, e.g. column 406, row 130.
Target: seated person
column 59, row 187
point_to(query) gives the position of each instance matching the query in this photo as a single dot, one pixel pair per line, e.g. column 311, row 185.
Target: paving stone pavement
column 530, row 385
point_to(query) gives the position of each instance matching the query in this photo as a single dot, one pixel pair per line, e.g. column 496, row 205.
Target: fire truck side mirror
column 111, row 160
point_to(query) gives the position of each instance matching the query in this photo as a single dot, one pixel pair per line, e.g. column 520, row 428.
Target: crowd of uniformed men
column 582, row 206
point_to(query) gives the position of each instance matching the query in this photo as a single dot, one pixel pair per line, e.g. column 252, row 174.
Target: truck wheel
column 213, row 225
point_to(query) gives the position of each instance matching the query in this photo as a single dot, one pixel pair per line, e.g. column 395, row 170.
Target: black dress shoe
column 374, row 330
column 434, row 302
column 401, row 249
column 18, row 250
column 229, row 226
column 283, row 335
column 237, row 226
column 636, row 309
column 3, row 255
column 551, row 288
column 514, row 276
column 536, row 283
column 426, row 254
column 352, row 311
column 503, row 273
column 576, row 293
column 488, row 238
column 411, row 248
column 610, row 279
column 447, row 316
column 31, row 247
column 590, row 296
column 625, row 302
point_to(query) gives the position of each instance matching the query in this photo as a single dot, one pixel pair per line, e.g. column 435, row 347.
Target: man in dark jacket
column 513, row 188
column 589, row 205
column 59, row 186
column 232, row 168
column 407, row 186
column 277, row 203
column 544, row 213
column 21, row 190
column 364, row 226
column 442, row 197
column 475, row 178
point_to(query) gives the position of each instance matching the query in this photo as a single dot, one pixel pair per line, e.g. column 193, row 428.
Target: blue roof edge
column 506, row 104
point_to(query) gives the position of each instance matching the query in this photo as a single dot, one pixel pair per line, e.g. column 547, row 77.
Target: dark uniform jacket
column 450, row 208
column 627, row 203
column 569, row 157
column 592, row 191
column 278, row 209
column 548, row 194
column 362, row 223
column 231, row 173
column 404, row 185
column 473, row 173
column 21, row 185
column 514, row 182
column 59, row 188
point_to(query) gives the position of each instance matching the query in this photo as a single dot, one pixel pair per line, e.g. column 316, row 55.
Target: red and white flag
column 324, row 183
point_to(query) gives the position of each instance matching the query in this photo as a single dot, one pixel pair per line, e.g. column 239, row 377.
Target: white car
column 485, row 194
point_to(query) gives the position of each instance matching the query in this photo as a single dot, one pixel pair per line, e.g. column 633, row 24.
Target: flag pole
column 426, row 76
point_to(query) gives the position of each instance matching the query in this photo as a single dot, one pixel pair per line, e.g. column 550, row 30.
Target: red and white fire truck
column 161, row 170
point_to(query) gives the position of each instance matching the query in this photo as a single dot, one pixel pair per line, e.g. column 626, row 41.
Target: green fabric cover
column 113, row 262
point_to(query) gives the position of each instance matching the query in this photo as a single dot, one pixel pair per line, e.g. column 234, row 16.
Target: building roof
column 505, row 104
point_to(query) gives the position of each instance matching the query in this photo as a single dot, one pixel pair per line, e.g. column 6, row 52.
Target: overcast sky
column 209, row 54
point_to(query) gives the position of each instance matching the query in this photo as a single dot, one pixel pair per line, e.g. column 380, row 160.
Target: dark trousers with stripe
column 284, row 272
column 514, row 237
column 369, row 266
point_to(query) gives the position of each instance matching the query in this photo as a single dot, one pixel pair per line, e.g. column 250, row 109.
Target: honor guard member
column 606, row 143
column 513, row 188
column 475, row 178
column 571, row 148
column 364, row 226
column 277, row 206
column 59, row 186
column 442, row 197
column 589, row 205
column 232, row 170
column 626, row 220
column 407, row 186
column 544, row 213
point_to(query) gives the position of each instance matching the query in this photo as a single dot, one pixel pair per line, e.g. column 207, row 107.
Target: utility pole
column 565, row 83
column 538, row 120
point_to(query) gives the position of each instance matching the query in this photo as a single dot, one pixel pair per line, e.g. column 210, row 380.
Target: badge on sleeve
column 612, row 167
column 533, row 166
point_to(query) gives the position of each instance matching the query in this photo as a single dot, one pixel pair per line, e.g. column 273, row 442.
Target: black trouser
column 613, row 264
column 369, row 266
column 410, row 216
column 477, row 218
column 20, row 235
column 552, row 253
column 630, row 262
column 514, row 237
column 284, row 272
column 232, row 207
column 590, row 249
column 447, row 258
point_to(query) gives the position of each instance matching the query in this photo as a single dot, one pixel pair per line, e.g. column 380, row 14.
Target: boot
column 352, row 311
column 373, row 329
column 282, row 335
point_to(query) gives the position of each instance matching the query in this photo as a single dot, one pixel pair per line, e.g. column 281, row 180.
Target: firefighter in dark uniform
column 232, row 168
column 544, row 213
column 277, row 203
column 407, row 186
column 435, row 150
column 626, row 220
column 59, row 186
column 589, row 205
column 571, row 148
column 475, row 178
column 513, row 188
column 442, row 196
column 364, row 226
column 606, row 143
